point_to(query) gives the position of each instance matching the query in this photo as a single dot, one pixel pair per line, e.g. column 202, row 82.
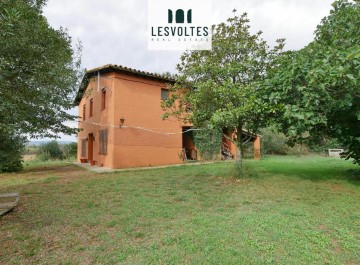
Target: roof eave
column 115, row 68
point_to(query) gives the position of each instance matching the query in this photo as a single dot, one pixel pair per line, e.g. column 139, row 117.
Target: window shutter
column 83, row 147
column 103, row 138
column 101, row 142
column 105, row 141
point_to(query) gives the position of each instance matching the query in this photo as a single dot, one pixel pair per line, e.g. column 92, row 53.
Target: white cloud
column 115, row 31
column 291, row 19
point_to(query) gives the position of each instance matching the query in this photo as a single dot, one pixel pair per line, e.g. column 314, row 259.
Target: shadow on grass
column 44, row 169
column 313, row 168
column 353, row 176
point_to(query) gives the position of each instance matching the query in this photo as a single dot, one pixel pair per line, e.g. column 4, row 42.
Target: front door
column 90, row 146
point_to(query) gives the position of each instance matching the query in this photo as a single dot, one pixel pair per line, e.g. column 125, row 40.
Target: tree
column 168, row 74
column 218, row 88
column 38, row 76
column 12, row 147
column 316, row 90
column 38, row 71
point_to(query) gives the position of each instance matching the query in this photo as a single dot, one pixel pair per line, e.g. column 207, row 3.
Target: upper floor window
column 164, row 94
column 91, row 107
column 103, row 99
column 84, row 112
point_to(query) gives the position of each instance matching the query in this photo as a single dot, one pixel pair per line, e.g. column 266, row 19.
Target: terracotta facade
column 128, row 131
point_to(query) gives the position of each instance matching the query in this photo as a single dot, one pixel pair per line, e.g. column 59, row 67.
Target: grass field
column 289, row 210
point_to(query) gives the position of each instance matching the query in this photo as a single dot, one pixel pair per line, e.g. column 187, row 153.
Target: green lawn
column 290, row 210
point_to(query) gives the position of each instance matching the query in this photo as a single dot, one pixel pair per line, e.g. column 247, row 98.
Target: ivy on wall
column 208, row 142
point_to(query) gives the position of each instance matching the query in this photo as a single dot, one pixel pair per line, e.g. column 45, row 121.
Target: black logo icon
column 179, row 16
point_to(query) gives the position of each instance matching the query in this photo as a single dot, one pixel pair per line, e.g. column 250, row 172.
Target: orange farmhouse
column 121, row 125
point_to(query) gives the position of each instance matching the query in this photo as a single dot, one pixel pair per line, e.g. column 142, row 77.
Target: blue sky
column 115, row 31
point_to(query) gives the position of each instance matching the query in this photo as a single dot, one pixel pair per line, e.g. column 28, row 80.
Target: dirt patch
column 324, row 228
column 63, row 173
column 336, row 187
column 336, row 246
column 44, row 170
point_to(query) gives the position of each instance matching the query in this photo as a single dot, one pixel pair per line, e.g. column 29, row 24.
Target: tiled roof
column 116, row 68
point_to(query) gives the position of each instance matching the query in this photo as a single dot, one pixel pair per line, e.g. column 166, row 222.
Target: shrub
column 69, row 150
column 275, row 143
column 50, row 150
column 42, row 156
column 324, row 144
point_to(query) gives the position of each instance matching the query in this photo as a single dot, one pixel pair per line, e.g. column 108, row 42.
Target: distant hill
column 37, row 143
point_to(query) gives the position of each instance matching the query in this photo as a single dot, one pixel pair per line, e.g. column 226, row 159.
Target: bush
column 69, row 150
column 12, row 148
column 42, row 156
column 324, row 144
column 50, row 150
column 275, row 143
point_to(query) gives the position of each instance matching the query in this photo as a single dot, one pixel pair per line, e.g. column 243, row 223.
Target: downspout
column 98, row 79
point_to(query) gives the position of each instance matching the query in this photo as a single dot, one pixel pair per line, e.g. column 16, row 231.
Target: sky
column 115, row 31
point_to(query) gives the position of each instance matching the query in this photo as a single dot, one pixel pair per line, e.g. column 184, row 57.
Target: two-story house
column 121, row 121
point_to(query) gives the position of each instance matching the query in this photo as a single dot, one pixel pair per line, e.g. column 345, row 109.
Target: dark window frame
column 91, row 109
column 103, row 98
column 84, row 112
column 164, row 94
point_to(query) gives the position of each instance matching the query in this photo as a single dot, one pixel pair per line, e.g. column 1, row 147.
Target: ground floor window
column 103, row 139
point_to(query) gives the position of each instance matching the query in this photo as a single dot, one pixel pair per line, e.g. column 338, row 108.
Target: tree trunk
column 239, row 148
column 238, row 157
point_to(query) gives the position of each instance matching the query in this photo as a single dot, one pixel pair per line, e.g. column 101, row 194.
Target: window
column 188, row 108
column 103, row 99
column 83, row 147
column 84, row 112
column 164, row 94
column 103, row 138
column 91, row 107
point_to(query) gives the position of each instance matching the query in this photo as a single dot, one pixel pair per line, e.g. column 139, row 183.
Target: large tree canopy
column 221, row 84
column 317, row 89
column 38, row 71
